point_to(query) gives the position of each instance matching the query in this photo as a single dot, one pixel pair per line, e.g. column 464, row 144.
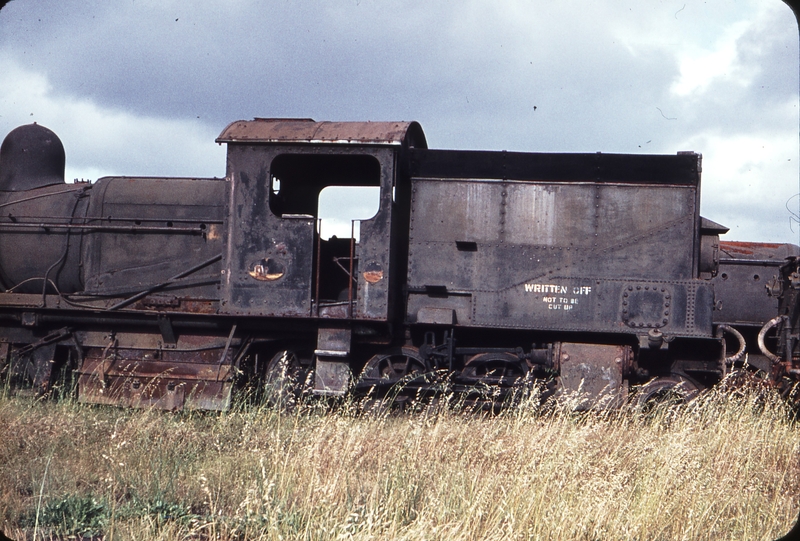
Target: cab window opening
column 333, row 188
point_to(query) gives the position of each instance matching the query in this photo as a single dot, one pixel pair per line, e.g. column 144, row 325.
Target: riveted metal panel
column 376, row 277
column 557, row 255
column 588, row 304
column 269, row 261
column 747, row 285
column 271, row 265
column 158, row 228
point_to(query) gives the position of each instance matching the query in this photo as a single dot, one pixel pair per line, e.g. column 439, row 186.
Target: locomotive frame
column 481, row 273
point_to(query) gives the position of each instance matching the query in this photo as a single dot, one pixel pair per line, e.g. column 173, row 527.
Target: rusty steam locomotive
column 481, row 273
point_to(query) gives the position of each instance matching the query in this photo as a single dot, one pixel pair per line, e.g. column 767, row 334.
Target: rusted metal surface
column 373, row 273
column 171, row 304
column 267, row 269
column 161, row 393
column 758, row 250
column 264, row 130
column 747, row 284
column 335, row 310
column 778, row 338
column 120, row 263
column 279, row 225
column 593, row 376
column 332, row 376
column 156, row 378
column 57, row 205
column 194, row 369
column 110, row 235
column 557, row 255
column 334, row 341
column 332, row 373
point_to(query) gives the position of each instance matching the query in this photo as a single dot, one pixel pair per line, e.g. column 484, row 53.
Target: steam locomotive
column 481, row 274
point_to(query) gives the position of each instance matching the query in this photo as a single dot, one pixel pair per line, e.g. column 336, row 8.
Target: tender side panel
column 576, row 255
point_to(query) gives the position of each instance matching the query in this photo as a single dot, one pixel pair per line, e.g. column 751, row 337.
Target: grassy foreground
column 722, row 468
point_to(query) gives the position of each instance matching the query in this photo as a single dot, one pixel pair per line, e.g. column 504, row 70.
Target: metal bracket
column 167, row 331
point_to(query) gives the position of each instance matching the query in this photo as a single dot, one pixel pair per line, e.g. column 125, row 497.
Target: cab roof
column 306, row 130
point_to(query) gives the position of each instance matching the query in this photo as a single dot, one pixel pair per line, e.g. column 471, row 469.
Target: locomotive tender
column 481, row 273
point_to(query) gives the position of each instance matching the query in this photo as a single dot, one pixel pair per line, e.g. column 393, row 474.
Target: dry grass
column 723, row 468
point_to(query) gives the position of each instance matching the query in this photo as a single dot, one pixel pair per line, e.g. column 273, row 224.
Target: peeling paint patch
column 267, row 270
column 373, row 273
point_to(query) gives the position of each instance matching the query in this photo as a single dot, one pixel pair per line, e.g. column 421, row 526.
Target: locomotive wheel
column 495, row 368
column 285, row 380
column 498, row 379
column 394, row 365
column 668, row 390
column 386, row 375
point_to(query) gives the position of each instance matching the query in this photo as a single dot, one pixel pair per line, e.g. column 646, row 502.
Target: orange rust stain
column 746, row 248
column 373, row 276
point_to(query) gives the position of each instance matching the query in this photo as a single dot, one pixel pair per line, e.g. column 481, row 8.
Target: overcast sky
column 141, row 87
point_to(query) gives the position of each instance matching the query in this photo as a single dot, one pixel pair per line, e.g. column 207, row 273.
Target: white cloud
column 102, row 141
column 744, row 183
column 338, row 205
column 699, row 68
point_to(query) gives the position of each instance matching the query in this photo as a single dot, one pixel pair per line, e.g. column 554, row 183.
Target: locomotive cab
column 278, row 262
column 280, row 265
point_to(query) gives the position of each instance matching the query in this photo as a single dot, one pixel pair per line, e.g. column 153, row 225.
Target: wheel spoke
column 387, row 375
column 495, row 380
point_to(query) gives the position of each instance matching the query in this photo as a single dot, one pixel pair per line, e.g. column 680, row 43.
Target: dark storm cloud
column 143, row 87
column 470, row 69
